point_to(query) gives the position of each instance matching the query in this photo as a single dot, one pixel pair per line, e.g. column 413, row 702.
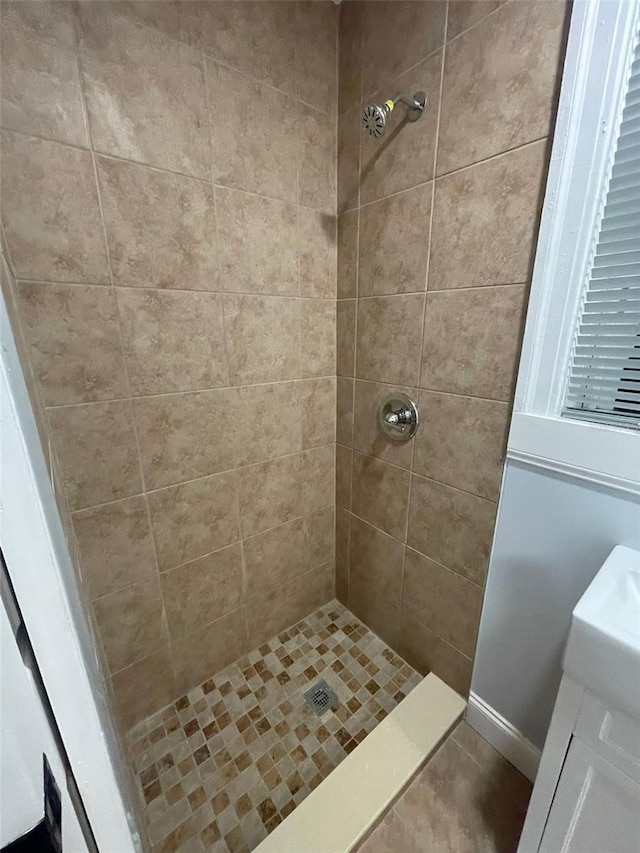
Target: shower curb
column 337, row 814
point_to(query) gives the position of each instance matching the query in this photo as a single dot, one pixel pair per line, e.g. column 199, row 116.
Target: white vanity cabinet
column 587, row 794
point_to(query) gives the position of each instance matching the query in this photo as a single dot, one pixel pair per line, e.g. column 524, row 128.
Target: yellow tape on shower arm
column 390, row 104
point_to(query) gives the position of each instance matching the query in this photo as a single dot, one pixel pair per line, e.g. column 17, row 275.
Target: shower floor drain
column 321, row 698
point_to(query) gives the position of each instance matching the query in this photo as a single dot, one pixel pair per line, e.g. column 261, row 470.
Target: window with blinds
column 604, row 378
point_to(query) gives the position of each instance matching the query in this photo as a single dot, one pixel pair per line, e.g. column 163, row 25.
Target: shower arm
column 410, row 101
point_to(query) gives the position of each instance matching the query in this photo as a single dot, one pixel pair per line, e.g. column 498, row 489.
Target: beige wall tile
column 344, row 465
column 203, row 652
column 367, row 435
column 263, row 338
column 316, row 54
column 115, row 544
column 173, row 341
column 261, row 424
column 499, row 84
column 254, row 144
column 348, row 254
column 76, row 350
column 349, row 132
column 445, row 602
column 131, row 622
column 318, row 253
column 381, row 494
column 96, row 446
column 465, row 13
column 318, row 478
column 350, row 56
column 342, row 583
column 40, row 82
column 451, row 526
column 317, row 401
column 320, row 537
column 374, row 609
column 461, row 442
column 343, row 535
column 485, row 221
column 389, row 338
column 318, row 337
column 394, row 243
column 346, row 337
column 51, row 216
column 472, row 341
column 405, row 157
column 144, row 87
column 255, row 37
column 258, row 244
column 274, row 557
column 377, row 559
column 144, row 687
column 161, row 228
column 316, row 159
column 427, row 652
column 203, row 590
column 184, row 436
column 344, row 411
column 418, row 30
column 270, row 493
column 193, row 519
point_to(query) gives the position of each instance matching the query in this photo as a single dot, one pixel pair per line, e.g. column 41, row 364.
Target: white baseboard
column 499, row 732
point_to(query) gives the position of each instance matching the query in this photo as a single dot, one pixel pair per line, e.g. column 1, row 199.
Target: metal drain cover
column 321, row 698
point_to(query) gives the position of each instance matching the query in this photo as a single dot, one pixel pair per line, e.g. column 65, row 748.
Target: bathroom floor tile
column 225, row 764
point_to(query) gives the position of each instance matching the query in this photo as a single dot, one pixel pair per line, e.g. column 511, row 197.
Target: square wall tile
column 348, row 254
column 317, row 249
column 246, row 157
column 143, row 687
column 428, row 652
column 463, row 14
column 258, row 244
column 184, row 436
column 40, row 81
column 131, row 623
column 96, row 446
column 499, row 84
column 451, row 526
column 199, row 654
column 374, row 609
column 343, row 535
column 418, row 28
column 173, row 341
column 348, row 153
column 472, row 341
column 317, row 401
column 394, row 243
column 263, row 338
column 316, row 54
column 389, row 338
column 344, row 468
column 381, row 494
column 445, row 602
column 405, row 157
column 485, row 221
column 346, row 337
column 51, row 217
column 193, row 519
column 274, row 557
column 161, row 228
column 270, row 493
column 318, row 478
column 350, row 56
column 257, row 412
column 344, row 411
column 203, row 590
column 318, row 337
column 462, row 442
column 76, row 350
column 116, row 548
column 377, row 559
column 144, row 88
column 320, row 537
column 316, row 159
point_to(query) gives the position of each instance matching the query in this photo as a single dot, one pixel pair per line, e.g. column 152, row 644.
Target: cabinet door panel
column 596, row 808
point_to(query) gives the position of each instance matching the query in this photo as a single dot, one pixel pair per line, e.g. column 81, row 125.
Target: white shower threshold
column 338, row 813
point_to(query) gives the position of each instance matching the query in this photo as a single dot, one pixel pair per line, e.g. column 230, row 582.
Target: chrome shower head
column 374, row 116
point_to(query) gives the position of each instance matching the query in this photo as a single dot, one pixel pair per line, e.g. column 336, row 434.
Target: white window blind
column 604, row 377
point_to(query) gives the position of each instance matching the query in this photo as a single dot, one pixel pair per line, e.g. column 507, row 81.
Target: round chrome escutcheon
column 398, row 417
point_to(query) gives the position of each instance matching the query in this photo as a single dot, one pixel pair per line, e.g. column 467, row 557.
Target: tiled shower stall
column 213, row 279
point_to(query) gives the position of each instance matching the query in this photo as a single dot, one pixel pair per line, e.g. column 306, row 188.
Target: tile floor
column 466, row 799
column 226, row 763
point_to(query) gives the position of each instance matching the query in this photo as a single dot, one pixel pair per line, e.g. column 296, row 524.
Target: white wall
column 553, row 534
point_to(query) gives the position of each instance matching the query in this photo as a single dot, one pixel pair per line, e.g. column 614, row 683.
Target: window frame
column 591, row 99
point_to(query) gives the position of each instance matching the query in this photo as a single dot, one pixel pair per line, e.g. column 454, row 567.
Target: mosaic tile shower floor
column 225, row 764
